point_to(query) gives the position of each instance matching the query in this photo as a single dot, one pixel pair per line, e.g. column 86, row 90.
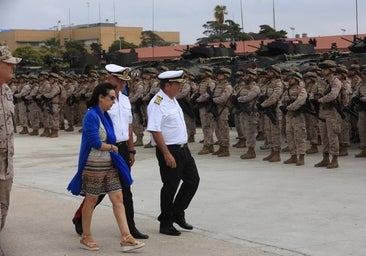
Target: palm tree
column 220, row 11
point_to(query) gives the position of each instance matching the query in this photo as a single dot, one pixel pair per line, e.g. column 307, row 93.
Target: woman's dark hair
column 100, row 89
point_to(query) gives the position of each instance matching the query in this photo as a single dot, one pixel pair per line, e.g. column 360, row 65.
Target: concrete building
column 101, row 33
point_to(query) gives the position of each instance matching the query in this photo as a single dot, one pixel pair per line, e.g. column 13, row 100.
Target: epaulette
column 158, row 99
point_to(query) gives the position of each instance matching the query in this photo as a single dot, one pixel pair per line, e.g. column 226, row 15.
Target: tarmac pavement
column 242, row 207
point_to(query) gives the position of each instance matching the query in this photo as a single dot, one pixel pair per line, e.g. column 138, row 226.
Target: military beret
column 172, row 76
column 328, row 64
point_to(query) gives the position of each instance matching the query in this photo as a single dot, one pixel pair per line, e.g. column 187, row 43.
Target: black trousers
column 126, row 190
column 175, row 199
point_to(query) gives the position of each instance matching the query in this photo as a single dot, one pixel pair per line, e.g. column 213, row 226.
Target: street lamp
column 292, row 29
column 343, row 30
column 88, row 5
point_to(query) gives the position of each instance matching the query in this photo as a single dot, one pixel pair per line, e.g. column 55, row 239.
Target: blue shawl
column 90, row 139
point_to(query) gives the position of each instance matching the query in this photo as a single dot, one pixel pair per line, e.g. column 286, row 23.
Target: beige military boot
column 324, row 162
column 139, row 142
column 34, row 133
column 211, row 148
column 24, row 131
column 362, row 153
column 249, row 155
column 312, row 150
column 269, row 156
column 276, row 157
column 291, row 160
column 217, row 151
column 242, row 143
column 301, row 160
column 54, row 133
column 204, row 151
column 343, row 150
column 46, row 133
column 70, row 128
column 224, row 152
column 334, row 163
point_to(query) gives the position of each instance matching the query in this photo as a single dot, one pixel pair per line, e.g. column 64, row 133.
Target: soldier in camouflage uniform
column 247, row 98
column 44, row 86
column 221, row 96
column 355, row 76
column 360, row 93
column 344, row 101
column 293, row 98
column 34, row 110
column 151, row 87
column 330, row 129
column 311, row 87
column 23, row 104
column 183, row 99
column 207, row 121
column 273, row 92
column 70, row 87
column 235, row 110
column 136, row 89
column 51, row 97
column 261, row 82
column 7, row 66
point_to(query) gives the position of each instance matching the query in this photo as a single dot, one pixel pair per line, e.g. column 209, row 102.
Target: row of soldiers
column 269, row 102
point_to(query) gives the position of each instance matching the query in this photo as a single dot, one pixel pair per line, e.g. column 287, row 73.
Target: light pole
column 343, row 30
column 292, row 29
column 88, row 5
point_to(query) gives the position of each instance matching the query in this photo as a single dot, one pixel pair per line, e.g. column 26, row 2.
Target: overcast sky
column 314, row 17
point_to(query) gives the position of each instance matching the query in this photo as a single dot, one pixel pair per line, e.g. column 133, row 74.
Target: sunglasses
column 111, row 97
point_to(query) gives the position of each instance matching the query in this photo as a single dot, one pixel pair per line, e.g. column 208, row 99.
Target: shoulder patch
column 158, row 99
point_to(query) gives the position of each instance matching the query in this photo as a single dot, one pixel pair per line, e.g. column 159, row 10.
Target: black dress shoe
column 169, row 230
column 137, row 234
column 183, row 224
column 78, row 226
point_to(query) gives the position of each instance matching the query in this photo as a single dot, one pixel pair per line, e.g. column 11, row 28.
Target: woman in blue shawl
column 100, row 167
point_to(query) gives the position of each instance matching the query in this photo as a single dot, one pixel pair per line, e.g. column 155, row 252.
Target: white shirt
column 121, row 115
column 166, row 116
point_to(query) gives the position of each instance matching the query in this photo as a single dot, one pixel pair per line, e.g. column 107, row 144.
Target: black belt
column 122, row 143
column 179, row 145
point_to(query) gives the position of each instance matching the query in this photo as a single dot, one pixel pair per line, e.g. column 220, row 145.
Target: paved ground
column 241, row 208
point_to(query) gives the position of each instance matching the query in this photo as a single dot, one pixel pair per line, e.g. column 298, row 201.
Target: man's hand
column 170, row 160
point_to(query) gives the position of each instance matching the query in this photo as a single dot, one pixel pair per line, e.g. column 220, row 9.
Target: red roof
column 324, row 44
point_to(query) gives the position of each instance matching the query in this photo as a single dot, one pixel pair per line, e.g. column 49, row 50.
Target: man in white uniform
column 169, row 135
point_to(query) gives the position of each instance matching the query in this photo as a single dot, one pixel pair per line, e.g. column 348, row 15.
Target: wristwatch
column 132, row 152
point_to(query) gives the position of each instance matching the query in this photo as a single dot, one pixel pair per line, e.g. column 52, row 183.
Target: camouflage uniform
column 292, row 100
column 249, row 116
column 273, row 92
column 44, row 86
column 221, row 96
column 354, row 75
column 53, row 109
column 312, row 128
column 23, row 90
column 330, row 129
column 361, row 94
column 136, row 94
column 34, row 110
column 235, row 109
column 70, row 87
column 207, row 121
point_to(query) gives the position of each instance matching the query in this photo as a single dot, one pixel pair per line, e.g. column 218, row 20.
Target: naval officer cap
column 172, row 76
column 118, row 71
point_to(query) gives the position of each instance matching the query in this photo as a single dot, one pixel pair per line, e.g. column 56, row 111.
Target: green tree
column 150, row 39
column 75, row 53
column 96, row 48
column 117, row 45
column 220, row 12
column 271, row 33
column 31, row 57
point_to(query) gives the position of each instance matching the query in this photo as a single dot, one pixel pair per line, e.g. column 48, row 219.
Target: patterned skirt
column 102, row 182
